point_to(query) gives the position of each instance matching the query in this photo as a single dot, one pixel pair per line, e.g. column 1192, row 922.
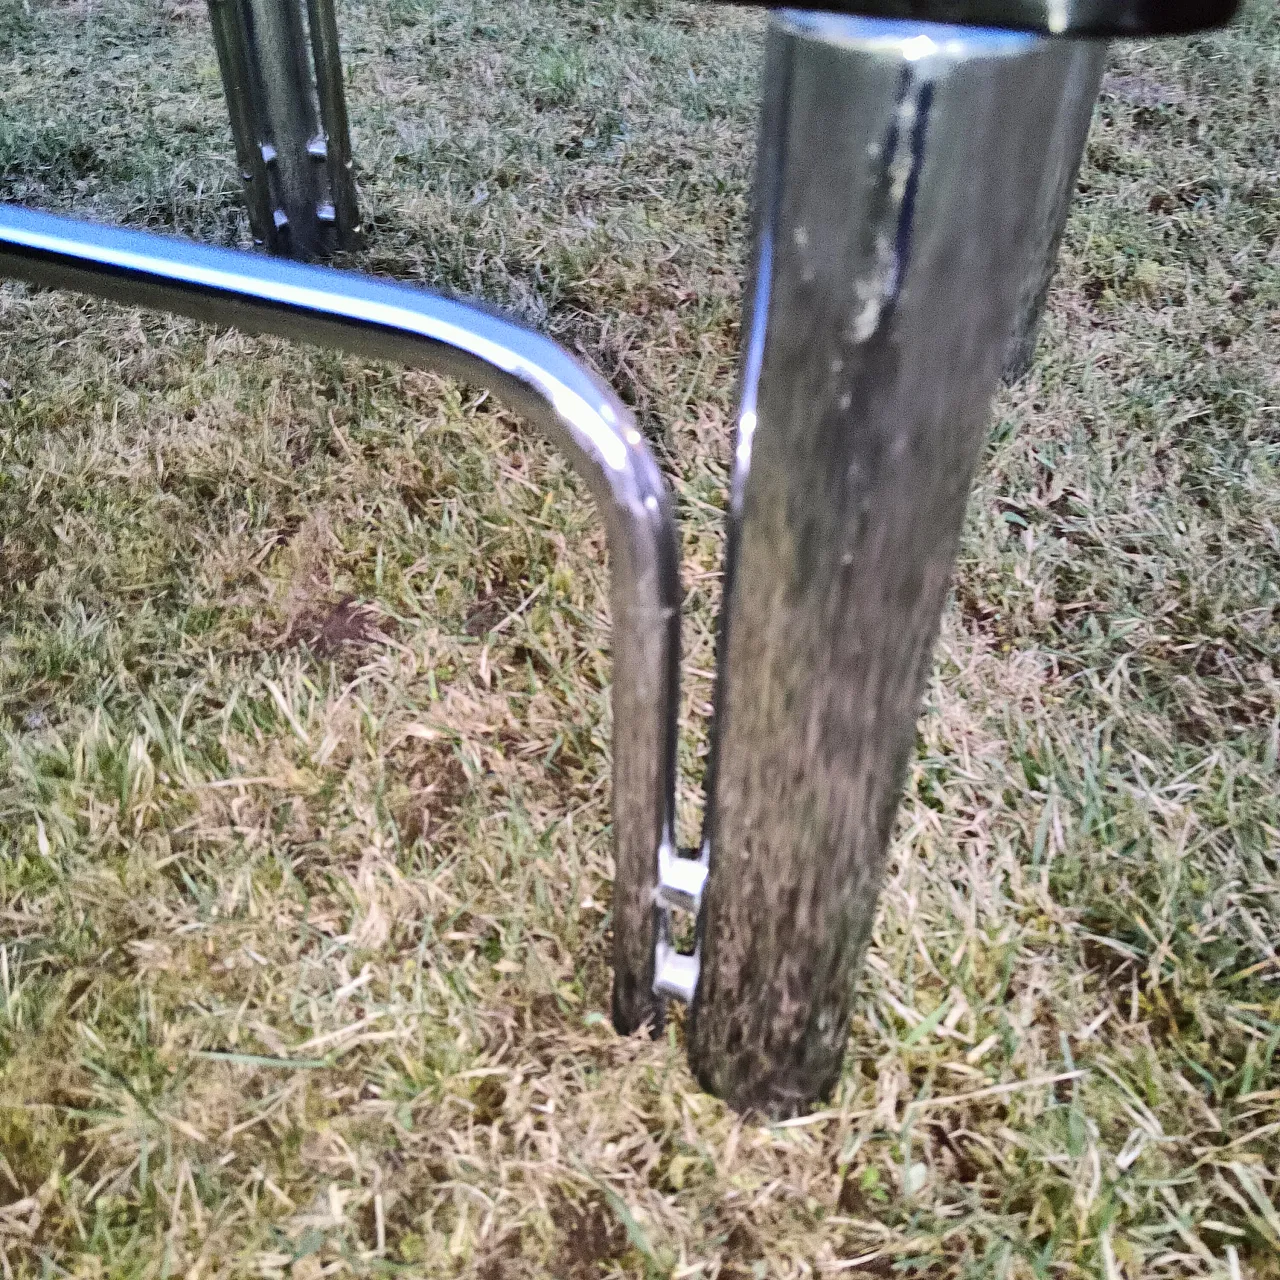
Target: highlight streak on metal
column 575, row 410
column 1053, row 205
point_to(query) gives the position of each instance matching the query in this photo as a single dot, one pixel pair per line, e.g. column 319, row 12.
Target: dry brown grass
column 304, row 869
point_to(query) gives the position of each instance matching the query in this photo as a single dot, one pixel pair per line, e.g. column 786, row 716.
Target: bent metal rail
column 533, row 375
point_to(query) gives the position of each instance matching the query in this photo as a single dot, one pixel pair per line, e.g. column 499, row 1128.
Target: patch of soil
column 492, row 607
column 980, row 615
column 503, row 1262
column 19, row 564
column 592, row 1235
column 327, row 630
column 437, row 785
column 489, row 1097
column 741, row 1251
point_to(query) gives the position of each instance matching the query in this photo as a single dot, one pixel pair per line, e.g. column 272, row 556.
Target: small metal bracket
column 674, row 974
column 681, row 880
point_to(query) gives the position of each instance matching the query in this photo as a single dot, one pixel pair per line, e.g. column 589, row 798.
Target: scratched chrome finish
column 899, row 175
column 533, row 375
column 1049, row 17
column 289, row 121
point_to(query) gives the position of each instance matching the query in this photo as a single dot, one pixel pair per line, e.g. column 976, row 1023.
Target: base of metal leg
column 289, row 120
column 901, row 174
column 675, row 975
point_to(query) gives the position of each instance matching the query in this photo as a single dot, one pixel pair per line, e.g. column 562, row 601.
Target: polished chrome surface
column 537, row 378
column 1050, row 17
column 297, row 174
column 901, row 169
column 1053, row 204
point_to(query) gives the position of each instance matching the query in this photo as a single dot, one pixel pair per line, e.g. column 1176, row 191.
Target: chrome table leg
column 902, row 170
column 323, row 24
column 290, row 126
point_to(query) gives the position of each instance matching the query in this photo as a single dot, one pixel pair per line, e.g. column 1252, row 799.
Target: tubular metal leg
column 536, row 377
column 1066, row 148
column 333, row 117
column 290, row 126
column 902, row 167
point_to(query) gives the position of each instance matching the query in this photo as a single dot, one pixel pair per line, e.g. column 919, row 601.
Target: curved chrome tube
column 575, row 410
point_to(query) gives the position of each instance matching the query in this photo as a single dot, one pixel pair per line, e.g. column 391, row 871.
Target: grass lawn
column 304, row 770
